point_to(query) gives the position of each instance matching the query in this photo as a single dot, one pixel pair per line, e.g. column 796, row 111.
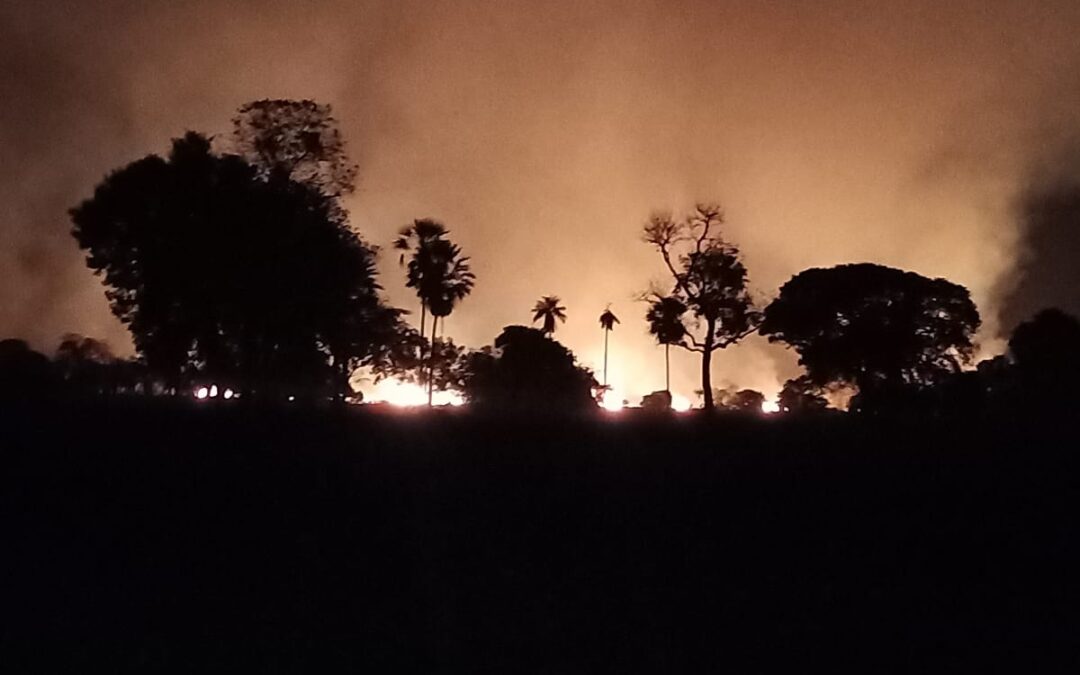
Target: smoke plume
column 544, row 134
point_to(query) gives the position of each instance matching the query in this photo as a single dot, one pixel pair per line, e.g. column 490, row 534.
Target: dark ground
column 144, row 538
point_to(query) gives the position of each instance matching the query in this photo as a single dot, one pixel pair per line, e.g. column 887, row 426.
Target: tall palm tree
column 607, row 323
column 438, row 272
column 665, row 317
column 418, row 241
column 451, row 280
column 549, row 309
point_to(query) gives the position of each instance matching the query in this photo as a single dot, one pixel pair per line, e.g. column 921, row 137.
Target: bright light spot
column 291, row 399
column 448, row 398
column 770, row 407
column 612, row 402
column 201, row 393
column 213, row 391
column 409, row 394
column 227, row 394
column 680, row 403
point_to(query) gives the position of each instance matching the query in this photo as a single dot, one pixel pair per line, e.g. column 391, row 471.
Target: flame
column 408, row 394
column 612, row 401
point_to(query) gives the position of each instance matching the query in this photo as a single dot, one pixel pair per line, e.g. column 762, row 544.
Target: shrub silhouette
column 526, row 370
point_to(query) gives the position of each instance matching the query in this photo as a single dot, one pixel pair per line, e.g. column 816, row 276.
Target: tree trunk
column 706, row 366
column 431, row 362
column 605, row 355
column 667, row 368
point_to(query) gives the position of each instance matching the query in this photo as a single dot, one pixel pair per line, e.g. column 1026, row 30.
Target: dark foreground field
column 150, row 539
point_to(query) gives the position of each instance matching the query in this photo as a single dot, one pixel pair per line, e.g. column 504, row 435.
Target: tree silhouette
column 298, row 138
column 800, row 395
column 451, row 282
column 549, row 310
column 455, row 281
column 657, row 402
column 440, row 274
column 417, row 241
column 223, row 273
column 79, row 348
column 24, row 373
column 877, row 328
column 1048, row 342
column 607, row 324
column 446, row 367
column 527, row 370
column 1046, row 353
column 710, row 281
column 745, row 400
column 665, row 318
column 86, row 364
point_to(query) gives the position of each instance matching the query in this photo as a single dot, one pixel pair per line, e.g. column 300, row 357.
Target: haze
column 543, row 135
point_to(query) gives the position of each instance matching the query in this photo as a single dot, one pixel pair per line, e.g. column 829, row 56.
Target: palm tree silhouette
column 439, row 273
column 418, row 240
column 549, row 309
column 607, row 323
column 451, row 281
column 665, row 317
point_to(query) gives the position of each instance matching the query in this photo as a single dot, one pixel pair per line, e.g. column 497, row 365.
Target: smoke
column 544, row 134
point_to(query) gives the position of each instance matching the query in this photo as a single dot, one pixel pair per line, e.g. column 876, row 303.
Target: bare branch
column 707, row 214
column 662, row 231
column 732, row 339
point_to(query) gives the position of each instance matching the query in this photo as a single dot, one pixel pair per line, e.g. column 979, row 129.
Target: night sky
column 543, row 135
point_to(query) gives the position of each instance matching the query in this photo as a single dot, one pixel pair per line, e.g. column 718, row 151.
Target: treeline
column 233, row 262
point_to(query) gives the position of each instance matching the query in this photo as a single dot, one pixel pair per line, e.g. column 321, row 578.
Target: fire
column 680, row 404
column 612, row 402
column 770, row 407
column 408, row 394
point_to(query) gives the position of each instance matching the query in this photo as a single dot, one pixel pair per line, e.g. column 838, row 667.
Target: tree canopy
column 874, row 327
column 608, row 320
column 1049, row 341
column 24, row 373
column 436, row 269
column 665, row 319
column 222, row 271
column 549, row 310
column 300, row 139
column 800, row 395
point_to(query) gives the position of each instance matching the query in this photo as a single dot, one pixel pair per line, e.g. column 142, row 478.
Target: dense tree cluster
column 225, row 275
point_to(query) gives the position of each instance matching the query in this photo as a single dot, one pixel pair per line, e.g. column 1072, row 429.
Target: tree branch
column 730, row 340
